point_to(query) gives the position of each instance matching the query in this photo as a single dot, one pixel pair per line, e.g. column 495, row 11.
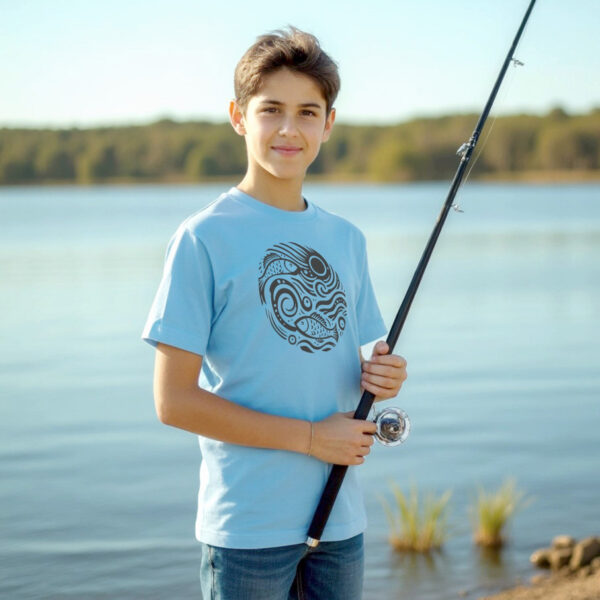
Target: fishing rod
column 393, row 424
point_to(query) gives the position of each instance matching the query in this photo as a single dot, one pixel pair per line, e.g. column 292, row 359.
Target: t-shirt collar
column 273, row 211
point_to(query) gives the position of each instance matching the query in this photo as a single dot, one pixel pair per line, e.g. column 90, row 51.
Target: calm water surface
column 97, row 499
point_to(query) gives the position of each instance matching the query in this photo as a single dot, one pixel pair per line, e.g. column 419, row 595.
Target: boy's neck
column 285, row 194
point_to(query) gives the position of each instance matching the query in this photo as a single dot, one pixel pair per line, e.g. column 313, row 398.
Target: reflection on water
column 410, row 568
column 502, row 341
column 490, row 559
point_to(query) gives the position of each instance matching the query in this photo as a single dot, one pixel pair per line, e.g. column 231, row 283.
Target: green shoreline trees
column 417, row 150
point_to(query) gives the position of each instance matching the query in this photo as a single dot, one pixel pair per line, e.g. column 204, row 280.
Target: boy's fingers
column 368, row 427
column 393, row 372
column 390, row 363
column 379, row 391
column 380, row 348
column 381, row 381
column 388, row 359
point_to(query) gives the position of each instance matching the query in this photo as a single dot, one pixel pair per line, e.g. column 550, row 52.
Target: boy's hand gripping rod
column 336, row 477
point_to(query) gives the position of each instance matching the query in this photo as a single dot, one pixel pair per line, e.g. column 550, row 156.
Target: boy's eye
column 308, row 113
column 271, row 109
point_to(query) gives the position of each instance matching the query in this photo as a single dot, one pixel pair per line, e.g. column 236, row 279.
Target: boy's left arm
column 383, row 374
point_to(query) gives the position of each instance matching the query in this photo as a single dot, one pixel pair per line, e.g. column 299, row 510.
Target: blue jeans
column 331, row 571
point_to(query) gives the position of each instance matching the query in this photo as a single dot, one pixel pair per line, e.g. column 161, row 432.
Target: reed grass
column 416, row 524
column 491, row 512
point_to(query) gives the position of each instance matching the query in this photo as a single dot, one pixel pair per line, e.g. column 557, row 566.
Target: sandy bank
column 555, row 587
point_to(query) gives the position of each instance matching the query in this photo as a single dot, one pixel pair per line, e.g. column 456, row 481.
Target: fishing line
column 484, row 142
column 516, row 64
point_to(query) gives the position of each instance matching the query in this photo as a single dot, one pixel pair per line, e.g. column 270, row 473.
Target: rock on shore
column 574, row 572
column 567, row 552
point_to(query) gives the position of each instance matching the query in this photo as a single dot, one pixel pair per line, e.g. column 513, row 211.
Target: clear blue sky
column 88, row 62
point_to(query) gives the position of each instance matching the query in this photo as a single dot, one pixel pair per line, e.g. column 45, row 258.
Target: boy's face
column 284, row 125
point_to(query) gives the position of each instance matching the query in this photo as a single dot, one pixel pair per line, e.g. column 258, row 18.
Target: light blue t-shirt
column 278, row 303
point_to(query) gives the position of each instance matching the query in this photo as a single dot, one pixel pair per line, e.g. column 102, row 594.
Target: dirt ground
column 555, row 588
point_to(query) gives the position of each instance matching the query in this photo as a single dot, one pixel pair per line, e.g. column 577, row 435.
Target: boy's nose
column 288, row 126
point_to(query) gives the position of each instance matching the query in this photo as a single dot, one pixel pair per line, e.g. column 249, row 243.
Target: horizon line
column 354, row 122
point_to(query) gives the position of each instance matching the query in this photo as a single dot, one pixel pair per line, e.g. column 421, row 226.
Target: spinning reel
column 393, row 426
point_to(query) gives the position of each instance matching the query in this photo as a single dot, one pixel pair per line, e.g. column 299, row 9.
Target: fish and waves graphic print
column 303, row 297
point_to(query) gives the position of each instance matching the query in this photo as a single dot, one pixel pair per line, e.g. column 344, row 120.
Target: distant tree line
column 420, row 149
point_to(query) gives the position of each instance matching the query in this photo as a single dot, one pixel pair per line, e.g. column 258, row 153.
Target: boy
column 269, row 297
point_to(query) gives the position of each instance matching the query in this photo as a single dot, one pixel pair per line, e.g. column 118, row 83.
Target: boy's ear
column 328, row 125
column 236, row 118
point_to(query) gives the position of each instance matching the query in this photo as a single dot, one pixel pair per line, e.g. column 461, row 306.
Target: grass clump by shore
column 492, row 511
column 416, row 524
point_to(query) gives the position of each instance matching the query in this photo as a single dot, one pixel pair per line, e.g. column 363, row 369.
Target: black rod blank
column 338, row 472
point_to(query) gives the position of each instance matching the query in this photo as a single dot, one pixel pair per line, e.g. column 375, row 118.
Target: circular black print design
column 303, row 296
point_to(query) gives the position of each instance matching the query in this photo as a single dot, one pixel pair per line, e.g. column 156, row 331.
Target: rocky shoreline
column 574, row 572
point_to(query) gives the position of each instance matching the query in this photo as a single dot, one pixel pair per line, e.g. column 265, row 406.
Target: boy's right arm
column 180, row 402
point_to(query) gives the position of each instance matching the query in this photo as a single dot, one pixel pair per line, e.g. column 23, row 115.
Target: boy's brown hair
column 294, row 49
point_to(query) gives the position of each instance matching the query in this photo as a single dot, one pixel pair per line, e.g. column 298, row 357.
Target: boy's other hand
column 342, row 440
column 383, row 374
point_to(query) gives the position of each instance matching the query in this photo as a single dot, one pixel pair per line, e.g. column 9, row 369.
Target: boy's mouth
column 287, row 150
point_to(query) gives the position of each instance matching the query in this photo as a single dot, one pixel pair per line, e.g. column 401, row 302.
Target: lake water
column 97, row 499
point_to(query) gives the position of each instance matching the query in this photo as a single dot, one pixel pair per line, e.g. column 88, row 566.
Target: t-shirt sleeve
column 370, row 322
column 182, row 310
